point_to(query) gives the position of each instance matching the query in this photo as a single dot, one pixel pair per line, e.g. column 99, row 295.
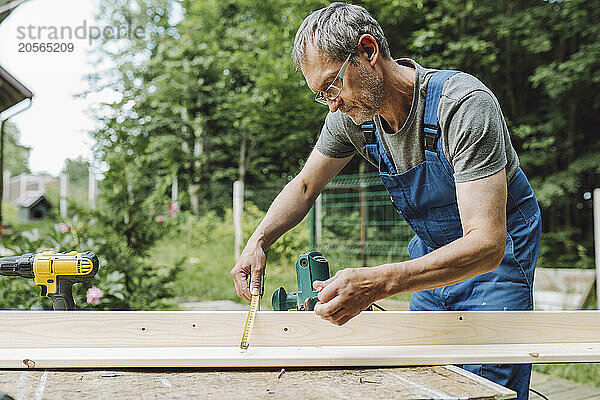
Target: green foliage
column 129, row 280
column 194, row 105
column 586, row 373
column 77, row 171
column 16, row 156
column 540, row 59
column 206, row 245
column 22, row 294
column 563, row 249
column 214, row 97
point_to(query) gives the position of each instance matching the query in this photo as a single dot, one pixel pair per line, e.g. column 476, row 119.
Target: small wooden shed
column 32, row 208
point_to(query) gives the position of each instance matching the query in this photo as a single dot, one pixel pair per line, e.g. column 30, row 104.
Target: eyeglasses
column 333, row 91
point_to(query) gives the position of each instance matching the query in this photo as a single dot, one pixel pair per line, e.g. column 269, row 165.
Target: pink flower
column 93, row 295
column 160, row 218
column 172, row 209
column 64, row 228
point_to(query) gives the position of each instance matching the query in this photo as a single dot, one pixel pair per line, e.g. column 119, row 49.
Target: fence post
column 6, row 185
column 311, row 239
column 363, row 222
column 22, row 184
column 597, row 242
column 42, row 185
column 238, row 207
column 175, row 191
column 92, row 188
column 64, row 181
column 318, row 220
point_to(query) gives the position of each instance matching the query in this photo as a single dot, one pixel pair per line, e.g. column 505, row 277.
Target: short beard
column 371, row 95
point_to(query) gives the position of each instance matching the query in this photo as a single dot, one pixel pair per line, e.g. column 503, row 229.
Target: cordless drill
column 54, row 272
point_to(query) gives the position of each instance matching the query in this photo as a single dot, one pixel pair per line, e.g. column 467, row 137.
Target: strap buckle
column 431, row 135
column 368, row 129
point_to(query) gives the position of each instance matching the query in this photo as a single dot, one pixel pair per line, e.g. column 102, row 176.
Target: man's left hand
column 347, row 293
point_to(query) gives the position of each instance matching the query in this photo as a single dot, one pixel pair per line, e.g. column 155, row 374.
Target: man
column 443, row 151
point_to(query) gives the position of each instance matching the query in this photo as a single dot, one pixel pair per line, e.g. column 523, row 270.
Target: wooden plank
column 307, row 356
column 30, row 329
column 211, row 339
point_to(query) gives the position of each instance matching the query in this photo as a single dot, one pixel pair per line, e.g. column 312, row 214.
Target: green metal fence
column 355, row 224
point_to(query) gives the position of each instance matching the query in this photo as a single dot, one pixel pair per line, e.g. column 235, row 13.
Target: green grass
column 207, row 245
column 9, row 213
column 12, row 225
column 586, row 373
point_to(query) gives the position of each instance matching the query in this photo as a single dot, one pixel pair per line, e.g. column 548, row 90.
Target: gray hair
column 335, row 30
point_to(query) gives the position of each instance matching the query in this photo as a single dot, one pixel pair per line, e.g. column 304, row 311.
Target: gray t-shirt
column 475, row 137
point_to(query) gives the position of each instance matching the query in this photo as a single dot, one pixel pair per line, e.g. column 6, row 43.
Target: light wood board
column 306, row 356
column 211, row 339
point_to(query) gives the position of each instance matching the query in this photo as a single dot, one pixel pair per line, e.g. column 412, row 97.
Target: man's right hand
column 251, row 264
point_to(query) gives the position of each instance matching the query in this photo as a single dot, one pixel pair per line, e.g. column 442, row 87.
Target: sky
column 56, row 126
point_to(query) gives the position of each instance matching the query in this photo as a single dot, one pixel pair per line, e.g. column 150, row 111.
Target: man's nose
column 334, row 104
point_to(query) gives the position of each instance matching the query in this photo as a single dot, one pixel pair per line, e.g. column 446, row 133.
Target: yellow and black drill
column 54, row 272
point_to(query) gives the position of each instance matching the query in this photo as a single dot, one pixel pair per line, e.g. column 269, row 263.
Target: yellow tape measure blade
column 254, row 305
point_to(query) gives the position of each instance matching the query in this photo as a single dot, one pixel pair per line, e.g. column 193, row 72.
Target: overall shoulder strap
column 431, row 127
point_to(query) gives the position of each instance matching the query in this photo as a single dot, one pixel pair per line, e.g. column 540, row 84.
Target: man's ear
column 367, row 45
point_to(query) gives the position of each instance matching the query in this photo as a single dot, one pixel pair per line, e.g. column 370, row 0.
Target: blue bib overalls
column 425, row 196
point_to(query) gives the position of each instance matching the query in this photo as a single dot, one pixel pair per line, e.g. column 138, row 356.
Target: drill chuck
column 18, row 265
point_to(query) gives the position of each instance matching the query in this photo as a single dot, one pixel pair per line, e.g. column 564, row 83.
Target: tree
column 215, row 98
column 16, row 156
column 541, row 59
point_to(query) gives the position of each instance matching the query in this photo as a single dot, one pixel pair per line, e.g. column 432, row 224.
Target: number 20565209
column 35, row 47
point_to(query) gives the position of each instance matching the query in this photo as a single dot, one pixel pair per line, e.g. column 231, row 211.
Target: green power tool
column 311, row 266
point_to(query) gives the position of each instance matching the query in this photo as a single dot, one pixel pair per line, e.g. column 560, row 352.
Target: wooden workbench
column 439, row 382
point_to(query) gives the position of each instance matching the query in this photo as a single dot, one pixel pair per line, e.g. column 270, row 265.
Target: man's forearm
column 469, row 256
column 287, row 210
column 482, row 208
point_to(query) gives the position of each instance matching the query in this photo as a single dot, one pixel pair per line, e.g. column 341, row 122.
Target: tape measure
column 254, row 307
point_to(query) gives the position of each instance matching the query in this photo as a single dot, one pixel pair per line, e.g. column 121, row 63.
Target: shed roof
column 30, row 201
column 12, row 91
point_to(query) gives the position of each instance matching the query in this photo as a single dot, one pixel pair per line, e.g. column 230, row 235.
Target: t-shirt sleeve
column 333, row 141
column 476, row 137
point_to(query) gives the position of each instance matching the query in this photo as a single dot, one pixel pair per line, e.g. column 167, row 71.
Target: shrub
column 128, row 280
